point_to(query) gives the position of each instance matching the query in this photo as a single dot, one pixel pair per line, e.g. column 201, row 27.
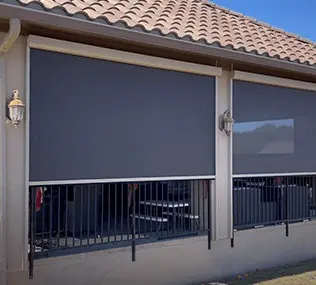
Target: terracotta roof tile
column 197, row 20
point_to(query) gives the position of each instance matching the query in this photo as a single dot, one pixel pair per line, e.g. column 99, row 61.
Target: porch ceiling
column 198, row 21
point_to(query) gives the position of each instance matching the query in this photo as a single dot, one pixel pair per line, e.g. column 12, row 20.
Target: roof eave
column 139, row 37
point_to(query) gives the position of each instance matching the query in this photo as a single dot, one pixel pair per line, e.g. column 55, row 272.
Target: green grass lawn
column 303, row 273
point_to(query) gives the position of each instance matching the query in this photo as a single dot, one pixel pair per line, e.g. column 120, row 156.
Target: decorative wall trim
column 120, row 56
column 270, row 80
column 274, row 174
column 117, row 180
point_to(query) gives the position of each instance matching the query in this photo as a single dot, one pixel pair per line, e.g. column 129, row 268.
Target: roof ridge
column 258, row 22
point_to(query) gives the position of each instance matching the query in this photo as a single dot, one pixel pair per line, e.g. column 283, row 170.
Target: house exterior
column 123, row 170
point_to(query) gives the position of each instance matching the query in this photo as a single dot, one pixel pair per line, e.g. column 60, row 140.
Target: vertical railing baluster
column 138, row 207
column 314, row 197
column 162, row 209
column 203, row 201
column 145, row 207
column 95, row 212
column 34, row 215
column 192, row 209
column 262, row 204
column 66, row 217
column 249, row 206
column 122, row 212
column 42, row 208
column 74, row 188
column 300, row 205
column 312, row 207
column 81, row 214
column 236, row 202
column 287, row 206
column 301, row 188
column 256, row 199
column 102, row 211
column 269, row 200
column 199, row 202
column 109, row 212
column 87, row 189
column 32, row 243
column 58, row 218
column 156, row 208
column 299, row 199
column 165, row 188
column 245, row 201
column 182, row 185
column 272, row 199
column 209, row 216
column 295, row 197
column 133, row 228
column 51, row 218
column 305, row 199
column 151, row 208
column 309, row 197
column 128, row 205
column 115, row 211
column 173, row 205
column 296, row 189
column 178, row 208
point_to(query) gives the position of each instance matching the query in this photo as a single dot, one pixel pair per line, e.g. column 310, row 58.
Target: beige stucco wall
column 16, row 189
column 177, row 262
column 180, row 262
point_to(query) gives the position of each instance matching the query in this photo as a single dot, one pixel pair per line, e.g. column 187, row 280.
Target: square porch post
column 222, row 200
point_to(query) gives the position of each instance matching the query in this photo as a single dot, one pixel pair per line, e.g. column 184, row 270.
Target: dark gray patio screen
column 275, row 129
column 96, row 119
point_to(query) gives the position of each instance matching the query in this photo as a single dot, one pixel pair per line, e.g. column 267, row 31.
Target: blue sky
column 296, row 16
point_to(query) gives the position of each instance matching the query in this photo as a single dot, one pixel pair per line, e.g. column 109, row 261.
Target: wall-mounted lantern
column 226, row 122
column 16, row 109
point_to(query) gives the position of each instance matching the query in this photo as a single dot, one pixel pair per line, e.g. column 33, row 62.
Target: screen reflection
column 264, row 137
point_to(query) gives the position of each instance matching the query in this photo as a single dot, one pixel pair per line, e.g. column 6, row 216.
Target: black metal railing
column 71, row 218
column 264, row 201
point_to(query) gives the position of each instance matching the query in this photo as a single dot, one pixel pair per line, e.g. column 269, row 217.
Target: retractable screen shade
column 96, row 119
column 275, row 130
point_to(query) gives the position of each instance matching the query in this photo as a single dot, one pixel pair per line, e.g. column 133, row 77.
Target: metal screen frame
column 112, row 55
column 282, row 83
column 116, row 56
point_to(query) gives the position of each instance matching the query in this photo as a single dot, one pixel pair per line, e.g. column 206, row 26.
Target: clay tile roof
column 196, row 20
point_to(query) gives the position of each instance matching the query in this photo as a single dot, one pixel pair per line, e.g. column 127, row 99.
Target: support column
column 222, row 196
column 3, row 231
column 17, row 192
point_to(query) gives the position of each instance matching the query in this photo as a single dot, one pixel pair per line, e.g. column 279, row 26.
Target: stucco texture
column 179, row 262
